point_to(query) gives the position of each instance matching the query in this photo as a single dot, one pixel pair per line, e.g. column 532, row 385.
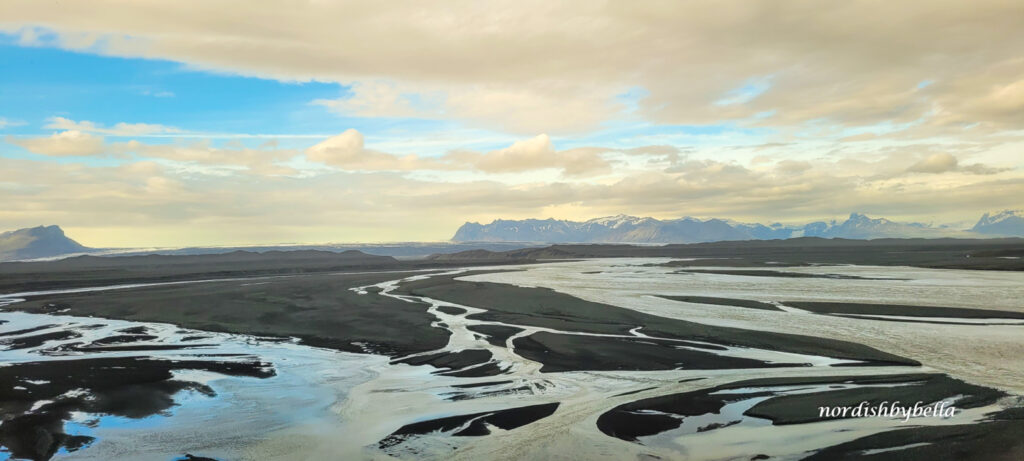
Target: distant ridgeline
column 631, row 229
column 50, row 241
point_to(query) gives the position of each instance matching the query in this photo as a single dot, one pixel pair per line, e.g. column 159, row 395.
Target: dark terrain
column 310, row 295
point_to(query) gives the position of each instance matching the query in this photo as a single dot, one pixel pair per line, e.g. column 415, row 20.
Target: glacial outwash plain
column 709, row 351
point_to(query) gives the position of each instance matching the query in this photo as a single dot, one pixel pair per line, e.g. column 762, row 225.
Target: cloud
column 534, row 66
column 791, row 167
column 267, row 160
column 509, row 108
column 71, row 143
column 120, row 129
column 528, row 154
column 945, row 163
column 347, row 151
column 937, row 163
column 385, row 99
column 342, row 149
column 533, row 154
column 4, row 123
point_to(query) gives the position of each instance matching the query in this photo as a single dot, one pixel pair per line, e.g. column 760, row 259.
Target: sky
column 140, row 123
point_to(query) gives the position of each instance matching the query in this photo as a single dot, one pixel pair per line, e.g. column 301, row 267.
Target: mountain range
column 632, row 229
column 50, row 241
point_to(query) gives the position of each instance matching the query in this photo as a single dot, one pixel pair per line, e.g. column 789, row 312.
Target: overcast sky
column 197, row 122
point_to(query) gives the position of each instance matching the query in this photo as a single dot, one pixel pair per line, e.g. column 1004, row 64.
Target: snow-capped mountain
column 1004, row 223
column 632, row 229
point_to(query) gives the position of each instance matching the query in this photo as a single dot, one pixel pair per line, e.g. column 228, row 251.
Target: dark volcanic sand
column 91, row 271
column 834, row 308
column 320, row 309
column 990, row 441
column 451, row 310
column 975, row 254
column 803, row 408
column 769, row 273
column 504, row 419
column 496, row 334
column 902, row 310
column 87, row 271
column 579, row 352
column 453, row 361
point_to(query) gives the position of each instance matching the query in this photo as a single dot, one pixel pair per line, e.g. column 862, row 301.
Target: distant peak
column 50, row 229
column 1006, row 222
column 37, row 242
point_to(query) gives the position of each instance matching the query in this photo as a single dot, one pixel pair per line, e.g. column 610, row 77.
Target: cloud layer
column 534, row 66
column 753, row 110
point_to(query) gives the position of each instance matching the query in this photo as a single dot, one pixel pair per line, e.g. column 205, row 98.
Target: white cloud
column 120, row 129
column 71, row 143
column 528, row 154
column 347, row 151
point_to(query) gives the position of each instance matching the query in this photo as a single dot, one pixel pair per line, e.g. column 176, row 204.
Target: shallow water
column 307, row 382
